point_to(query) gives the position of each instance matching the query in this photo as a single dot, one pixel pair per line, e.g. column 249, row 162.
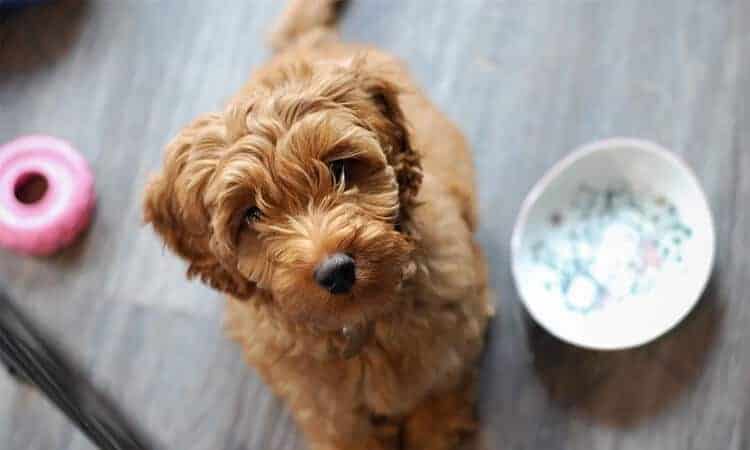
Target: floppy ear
column 394, row 131
column 174, row 204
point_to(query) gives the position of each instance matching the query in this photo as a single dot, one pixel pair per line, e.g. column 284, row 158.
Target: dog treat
column 610, row 245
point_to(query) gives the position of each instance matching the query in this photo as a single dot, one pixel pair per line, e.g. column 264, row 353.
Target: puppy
column 334, row 205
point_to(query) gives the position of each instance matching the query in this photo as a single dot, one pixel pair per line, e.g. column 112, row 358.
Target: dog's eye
column 338, row 170
column 252, row 215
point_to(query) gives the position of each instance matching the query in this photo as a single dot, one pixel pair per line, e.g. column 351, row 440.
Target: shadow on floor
column 72, row 255
column 624, row 388
column 38, row 35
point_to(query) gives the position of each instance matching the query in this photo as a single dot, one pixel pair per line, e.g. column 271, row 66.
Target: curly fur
column 389, row 364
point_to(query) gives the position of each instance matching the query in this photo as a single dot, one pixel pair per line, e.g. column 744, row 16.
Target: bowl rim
column 562, row 166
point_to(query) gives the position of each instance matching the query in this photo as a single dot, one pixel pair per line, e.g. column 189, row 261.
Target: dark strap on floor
column 34, row 360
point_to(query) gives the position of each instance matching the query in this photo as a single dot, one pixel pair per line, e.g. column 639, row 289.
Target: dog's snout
column 336, row 273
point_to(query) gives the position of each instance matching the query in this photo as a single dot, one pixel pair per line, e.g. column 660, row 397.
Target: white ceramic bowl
column 614, row 245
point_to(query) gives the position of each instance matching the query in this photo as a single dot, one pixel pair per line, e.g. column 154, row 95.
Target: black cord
column 33, row 360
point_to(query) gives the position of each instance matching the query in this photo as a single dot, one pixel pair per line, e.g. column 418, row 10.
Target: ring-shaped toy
column 46, row 195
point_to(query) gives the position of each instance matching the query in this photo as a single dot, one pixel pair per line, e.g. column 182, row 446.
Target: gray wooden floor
column 526, row 80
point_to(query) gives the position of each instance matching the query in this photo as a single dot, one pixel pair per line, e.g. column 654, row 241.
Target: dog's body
column 390, row 362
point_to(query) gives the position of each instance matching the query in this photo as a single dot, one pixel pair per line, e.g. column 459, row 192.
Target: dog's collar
column 354, row 338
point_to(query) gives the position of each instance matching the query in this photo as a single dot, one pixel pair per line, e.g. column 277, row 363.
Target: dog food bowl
column 614, row 245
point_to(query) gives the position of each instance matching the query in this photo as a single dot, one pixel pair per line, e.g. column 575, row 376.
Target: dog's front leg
column 353, row 430
column 444, row 421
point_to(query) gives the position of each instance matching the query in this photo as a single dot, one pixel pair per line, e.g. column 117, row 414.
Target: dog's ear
column 394, row 133
column 174, row 204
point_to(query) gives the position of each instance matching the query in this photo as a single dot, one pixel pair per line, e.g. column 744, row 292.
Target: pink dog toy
column 46, row 195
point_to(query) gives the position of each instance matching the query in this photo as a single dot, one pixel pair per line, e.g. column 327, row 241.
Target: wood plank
column 526, row 81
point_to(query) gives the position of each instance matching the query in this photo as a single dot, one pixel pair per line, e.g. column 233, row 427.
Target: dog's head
column 296, row 194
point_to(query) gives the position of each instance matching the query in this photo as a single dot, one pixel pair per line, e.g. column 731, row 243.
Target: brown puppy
column 334, row 204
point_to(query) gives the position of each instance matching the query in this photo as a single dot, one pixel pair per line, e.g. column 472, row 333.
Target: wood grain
column 526, row 80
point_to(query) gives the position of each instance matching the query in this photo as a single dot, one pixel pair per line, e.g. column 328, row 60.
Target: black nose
column 336, row 273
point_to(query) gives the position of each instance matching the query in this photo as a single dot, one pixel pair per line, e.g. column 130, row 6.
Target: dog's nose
column 336, row 273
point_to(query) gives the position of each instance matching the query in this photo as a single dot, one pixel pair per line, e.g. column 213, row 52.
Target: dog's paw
column 445, row 422
column 369, row 444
